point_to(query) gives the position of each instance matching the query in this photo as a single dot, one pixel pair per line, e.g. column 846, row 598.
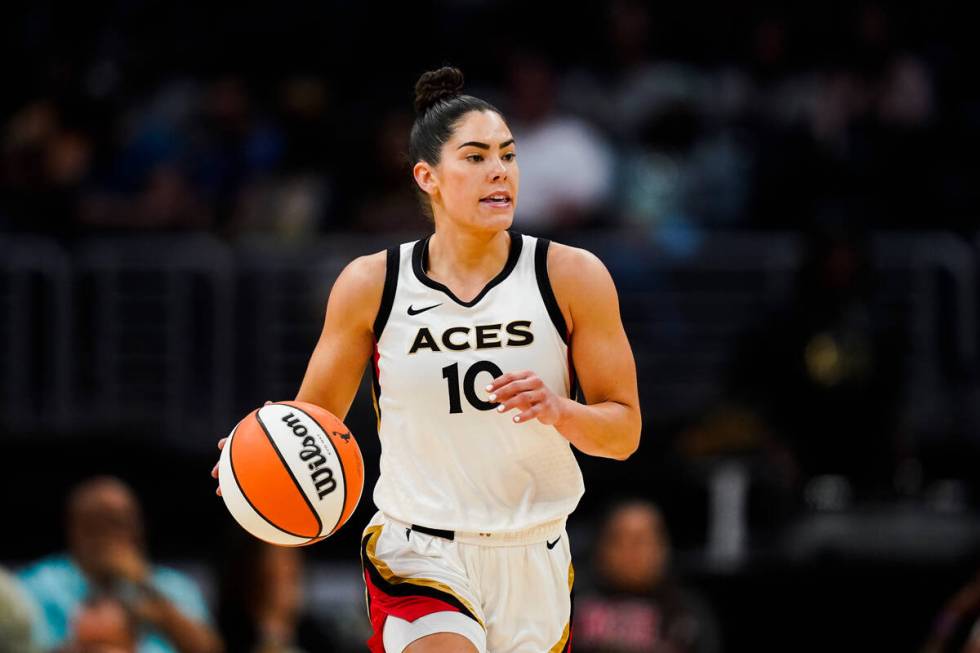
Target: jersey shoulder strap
column 544, row 287
column 388, row 294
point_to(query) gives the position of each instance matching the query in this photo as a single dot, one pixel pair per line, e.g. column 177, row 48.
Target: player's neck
column 467, row 257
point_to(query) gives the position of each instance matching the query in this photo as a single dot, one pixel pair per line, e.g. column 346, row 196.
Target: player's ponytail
column 439, row 104
column 437, row 86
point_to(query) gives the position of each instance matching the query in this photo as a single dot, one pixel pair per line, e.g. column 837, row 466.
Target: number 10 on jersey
column 451, row 374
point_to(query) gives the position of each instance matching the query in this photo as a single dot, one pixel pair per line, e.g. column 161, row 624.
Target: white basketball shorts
column 505, row 592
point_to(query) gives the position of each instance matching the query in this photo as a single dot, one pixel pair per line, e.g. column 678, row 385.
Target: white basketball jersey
column 449, row 460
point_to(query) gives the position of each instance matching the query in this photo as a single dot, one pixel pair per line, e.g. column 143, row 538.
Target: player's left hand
column 526, row 392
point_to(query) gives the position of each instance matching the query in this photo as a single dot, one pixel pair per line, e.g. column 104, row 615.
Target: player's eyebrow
column 484, row 146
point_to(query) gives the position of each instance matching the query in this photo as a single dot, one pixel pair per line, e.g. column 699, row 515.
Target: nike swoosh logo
column 551, row 545
column 415, row 311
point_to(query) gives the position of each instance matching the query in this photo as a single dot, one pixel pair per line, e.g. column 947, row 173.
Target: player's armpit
column 609, row 425
column 346, row 342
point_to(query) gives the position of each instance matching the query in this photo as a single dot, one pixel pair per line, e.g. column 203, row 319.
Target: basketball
column 291, row 473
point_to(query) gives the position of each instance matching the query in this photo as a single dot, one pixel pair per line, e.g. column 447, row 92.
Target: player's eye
column 475, row 158
column 510, row 156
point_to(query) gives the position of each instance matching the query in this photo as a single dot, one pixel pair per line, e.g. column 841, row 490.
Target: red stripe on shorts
column 409, row 608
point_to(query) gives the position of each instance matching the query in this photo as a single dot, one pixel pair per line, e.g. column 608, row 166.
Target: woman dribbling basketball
column 479, row 339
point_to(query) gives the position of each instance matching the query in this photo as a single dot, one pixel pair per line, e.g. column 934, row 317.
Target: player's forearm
column 608, row 429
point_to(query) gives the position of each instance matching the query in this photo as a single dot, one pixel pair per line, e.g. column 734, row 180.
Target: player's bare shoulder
column 357, row 291
column 580, row 280
column 573, row 263
column 366, row 271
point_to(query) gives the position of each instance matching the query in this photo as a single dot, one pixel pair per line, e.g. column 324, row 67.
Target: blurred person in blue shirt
column 107, row 561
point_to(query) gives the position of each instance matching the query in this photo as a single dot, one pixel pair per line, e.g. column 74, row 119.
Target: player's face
column 477, row 179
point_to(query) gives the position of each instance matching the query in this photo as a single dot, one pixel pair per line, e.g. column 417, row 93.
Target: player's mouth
column 500, row 200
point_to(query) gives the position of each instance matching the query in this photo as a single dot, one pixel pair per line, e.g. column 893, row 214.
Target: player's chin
column 496, row 220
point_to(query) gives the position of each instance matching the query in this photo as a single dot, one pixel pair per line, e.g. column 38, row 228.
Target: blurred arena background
column 787, row 197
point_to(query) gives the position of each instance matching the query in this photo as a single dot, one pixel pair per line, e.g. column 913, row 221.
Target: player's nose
column 498, row 171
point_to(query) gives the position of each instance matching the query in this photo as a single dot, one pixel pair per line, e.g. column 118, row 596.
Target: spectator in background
column 232, row 143
column 612, row 92
column 17, row 615
column 566, row 164
column 681, row 164
column 682, row 174
column 261, row 608
column 907, row 170
column 826, row 372
column 145, row 185
column 44, row 161
column 102, row 625
column 107, row 561
column 636, row 606
column 291, row 190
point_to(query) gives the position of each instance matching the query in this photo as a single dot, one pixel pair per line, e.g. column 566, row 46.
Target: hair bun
column 437, row 85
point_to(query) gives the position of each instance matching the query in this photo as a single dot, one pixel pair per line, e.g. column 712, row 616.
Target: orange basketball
column 291, row 473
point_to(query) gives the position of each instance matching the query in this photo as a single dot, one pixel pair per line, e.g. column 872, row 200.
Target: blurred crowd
column 665, row 119
column 833, row 119
column 106, row 594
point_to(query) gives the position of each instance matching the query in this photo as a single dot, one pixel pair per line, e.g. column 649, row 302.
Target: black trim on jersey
column 544, row 286
column 408, row 589
column 420, row 263
column 576, row 393
column 388, row 294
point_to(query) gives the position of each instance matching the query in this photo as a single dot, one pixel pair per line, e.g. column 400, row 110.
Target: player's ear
column 425, row 177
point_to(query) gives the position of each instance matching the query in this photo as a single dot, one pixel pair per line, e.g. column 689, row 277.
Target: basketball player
column 479, row 339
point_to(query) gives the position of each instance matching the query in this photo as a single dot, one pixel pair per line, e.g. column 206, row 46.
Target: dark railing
column 179, row 335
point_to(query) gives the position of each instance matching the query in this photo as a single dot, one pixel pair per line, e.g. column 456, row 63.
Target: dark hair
column 439, row 104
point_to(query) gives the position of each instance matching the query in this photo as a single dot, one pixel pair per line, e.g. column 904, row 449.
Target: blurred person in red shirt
column 636, row 605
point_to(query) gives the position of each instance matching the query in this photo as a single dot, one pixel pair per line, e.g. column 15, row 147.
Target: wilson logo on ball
column 313, row 457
